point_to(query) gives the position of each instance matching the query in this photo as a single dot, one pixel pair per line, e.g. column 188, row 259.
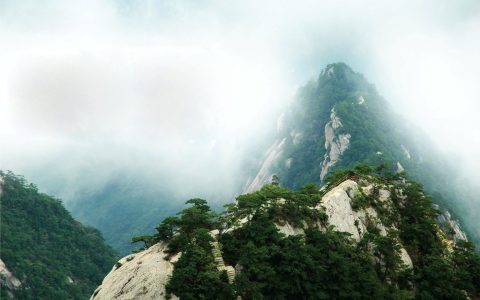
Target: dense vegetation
column 195, row 275
column 378, row 136
column 321, row 263
column 44, row 247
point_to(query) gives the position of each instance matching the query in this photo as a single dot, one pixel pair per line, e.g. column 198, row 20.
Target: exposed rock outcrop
column 144, row 275
column 340, row 213
column 7, row 279
column 360, row 100
column 263, row 176
column 141, row 275
column 335, row 145
column 450, row 227
column 337, row 204
column 400, row 168
column 329, row 72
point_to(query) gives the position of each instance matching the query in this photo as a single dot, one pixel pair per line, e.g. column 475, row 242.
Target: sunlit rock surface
column 337, row 204
column 141, row 275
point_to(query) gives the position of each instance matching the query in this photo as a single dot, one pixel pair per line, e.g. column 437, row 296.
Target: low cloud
column 189, row 88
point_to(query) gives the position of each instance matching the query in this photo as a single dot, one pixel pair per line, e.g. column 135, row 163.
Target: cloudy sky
column 89, row 87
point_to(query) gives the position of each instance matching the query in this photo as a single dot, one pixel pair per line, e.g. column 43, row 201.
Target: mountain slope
column 340, row 120
column 45, row 253
column 366, row 235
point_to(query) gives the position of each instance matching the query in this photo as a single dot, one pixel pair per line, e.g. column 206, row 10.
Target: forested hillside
column 47, row 253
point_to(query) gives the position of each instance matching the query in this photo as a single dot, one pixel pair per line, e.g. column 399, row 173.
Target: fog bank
column 186, row 91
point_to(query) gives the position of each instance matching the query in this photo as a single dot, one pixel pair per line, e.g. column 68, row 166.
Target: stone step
column 217, row 255
column 230, row 273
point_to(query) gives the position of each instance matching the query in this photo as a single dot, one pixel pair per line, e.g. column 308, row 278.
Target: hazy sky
column 87, row 87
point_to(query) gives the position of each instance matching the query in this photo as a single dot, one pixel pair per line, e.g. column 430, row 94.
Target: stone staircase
column 217, row 255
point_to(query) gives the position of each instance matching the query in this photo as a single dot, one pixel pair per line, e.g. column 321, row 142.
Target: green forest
column 52, row 254
column 321, row 263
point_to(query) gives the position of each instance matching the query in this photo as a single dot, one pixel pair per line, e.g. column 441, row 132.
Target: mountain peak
column 336, row 69
column 341, row 120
